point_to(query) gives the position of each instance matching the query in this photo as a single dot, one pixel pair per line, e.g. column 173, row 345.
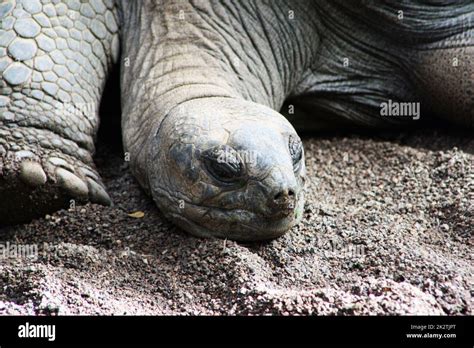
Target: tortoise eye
column 296, row 149
column 224, row 163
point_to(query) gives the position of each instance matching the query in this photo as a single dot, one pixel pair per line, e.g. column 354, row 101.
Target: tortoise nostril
column 278, row 196
column 284, row 195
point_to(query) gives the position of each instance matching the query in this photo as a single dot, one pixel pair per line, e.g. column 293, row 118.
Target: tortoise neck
column 254, row 50
column 176, row 51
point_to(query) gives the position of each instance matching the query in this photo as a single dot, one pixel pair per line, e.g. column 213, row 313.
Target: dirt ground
column 387, row 229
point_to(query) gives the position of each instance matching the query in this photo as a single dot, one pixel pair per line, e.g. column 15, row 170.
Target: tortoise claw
column 39, row 181
column 97, row 194
column 73, row 185
column 32, row 174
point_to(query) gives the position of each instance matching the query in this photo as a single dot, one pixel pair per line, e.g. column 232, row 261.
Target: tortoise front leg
column 54, row 59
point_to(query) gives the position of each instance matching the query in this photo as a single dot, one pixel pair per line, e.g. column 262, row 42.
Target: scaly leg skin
column 54, row 59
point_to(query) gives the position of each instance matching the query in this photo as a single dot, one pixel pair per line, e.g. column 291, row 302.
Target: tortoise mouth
column 237, row 224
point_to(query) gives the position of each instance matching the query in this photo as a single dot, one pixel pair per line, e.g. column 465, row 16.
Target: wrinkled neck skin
column 174, row 52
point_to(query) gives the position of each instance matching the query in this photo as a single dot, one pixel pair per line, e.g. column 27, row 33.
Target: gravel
column 387, row 229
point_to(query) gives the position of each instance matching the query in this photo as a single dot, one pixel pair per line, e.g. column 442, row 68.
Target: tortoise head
column 228, row 168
